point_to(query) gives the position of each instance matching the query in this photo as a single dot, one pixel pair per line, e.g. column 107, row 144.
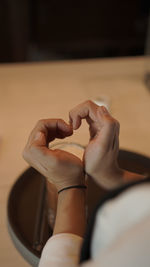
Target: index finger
column 86, row 110
column 50, row 129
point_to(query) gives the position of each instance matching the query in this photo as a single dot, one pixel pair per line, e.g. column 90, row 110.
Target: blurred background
column 39, row 30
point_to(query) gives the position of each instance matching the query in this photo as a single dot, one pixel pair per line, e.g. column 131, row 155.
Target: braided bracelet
column 73, row 186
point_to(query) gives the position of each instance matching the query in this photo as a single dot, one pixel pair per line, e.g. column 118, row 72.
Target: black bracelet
column 73, row 186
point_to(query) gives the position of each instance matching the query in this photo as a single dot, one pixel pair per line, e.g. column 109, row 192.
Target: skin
column 71, row 216
column 64, row 169
column 61, row 168
column 100, row 157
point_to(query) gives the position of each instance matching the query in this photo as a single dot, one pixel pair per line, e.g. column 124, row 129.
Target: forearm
column 116, row 178
column 131, row 176
column 70, row 216
column 123, row 177
column 63, row 248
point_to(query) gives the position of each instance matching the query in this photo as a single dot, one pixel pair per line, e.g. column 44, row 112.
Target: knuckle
column 88, row 102
column 111, row 122
column 100, row 108
column 41, row 121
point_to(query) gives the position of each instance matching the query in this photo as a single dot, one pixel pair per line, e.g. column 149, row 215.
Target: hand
column 63, row 169
column 100, row 157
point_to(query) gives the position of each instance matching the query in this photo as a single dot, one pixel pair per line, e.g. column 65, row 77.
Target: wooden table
column 29, row 92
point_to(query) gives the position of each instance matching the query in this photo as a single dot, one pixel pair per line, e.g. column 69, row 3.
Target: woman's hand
column 100, row 157
column 63, row 169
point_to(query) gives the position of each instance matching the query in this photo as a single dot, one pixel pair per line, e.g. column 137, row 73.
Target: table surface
column 31, row 91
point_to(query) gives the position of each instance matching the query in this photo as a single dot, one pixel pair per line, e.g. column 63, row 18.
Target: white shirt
column 121, row 236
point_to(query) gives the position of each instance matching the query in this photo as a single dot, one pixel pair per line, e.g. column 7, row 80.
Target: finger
column 47, row 130
column 116, row 137
column 106, row 135
column 86, row 110
column 36, row 149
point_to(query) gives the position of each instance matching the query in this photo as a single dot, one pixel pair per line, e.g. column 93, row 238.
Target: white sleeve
column 130, row 250
column 121, row 235
column 61, row 250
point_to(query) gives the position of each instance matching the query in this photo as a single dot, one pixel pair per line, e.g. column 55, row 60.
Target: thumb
column 106, row 133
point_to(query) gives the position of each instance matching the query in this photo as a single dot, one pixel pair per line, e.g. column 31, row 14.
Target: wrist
column 71, row 215
column 69, row 183
column 117, row 177
column 72, row 191
column 71, row 187
column 110, row 180
column 131, row 176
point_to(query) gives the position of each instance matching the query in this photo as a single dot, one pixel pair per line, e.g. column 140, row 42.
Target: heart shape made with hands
column 100, row 154
column 100, row 130
column 85, row 111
